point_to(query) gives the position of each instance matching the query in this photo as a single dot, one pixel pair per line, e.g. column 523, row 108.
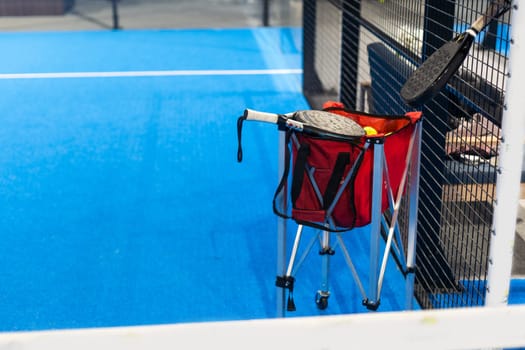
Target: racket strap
column 298, row 178
column 239, row 135
column 332, row 188
column 343, row 159
column 298, row 172
column 284, row 178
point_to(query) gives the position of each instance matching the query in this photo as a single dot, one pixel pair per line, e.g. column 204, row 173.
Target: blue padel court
column 122, row 202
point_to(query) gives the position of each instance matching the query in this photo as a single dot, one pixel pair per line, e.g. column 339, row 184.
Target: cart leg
column 281, row 226
column 286, row 281
column 321, row 298
column 413, row 208
column 372, row 302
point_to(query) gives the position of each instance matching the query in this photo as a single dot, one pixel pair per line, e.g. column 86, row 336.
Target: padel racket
column 429, row 78
column 312, row 122
column 316, row 123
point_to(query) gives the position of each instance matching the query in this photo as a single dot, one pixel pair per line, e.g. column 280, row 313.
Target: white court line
column 159, row 73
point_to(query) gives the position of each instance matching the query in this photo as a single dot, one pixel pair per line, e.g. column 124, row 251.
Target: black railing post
column 114, row 7
column 432, row 266
column 490, row 36
column 266, row 13
column 310, row 81
column 350, row 52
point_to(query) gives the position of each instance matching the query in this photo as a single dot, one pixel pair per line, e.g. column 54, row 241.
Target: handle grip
column 494, row 10
column 251, row 114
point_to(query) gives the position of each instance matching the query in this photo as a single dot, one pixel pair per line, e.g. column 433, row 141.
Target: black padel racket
column 429, row 78
column 312, row 122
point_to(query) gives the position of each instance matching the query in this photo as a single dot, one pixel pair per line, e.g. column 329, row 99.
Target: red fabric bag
column 332, row 160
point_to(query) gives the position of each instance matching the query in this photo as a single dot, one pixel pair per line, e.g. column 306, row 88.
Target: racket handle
column 250, row 114
column 494, row 10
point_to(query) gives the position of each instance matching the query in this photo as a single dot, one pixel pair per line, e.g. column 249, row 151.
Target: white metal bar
column 384, row 261
column 375, row 225
column 391, row 202
column 351, row 266
column 325, row 258
column 460, row 329
column 158, row 73
column 397, row 242
column 295, row 247
column 395, row 214
column 510, row 167
column 306, row 251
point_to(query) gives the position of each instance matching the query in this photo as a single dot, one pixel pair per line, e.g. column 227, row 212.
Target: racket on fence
column 429, row 78
column 312, row 122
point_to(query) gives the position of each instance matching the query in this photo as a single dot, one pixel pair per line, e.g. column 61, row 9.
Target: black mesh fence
column 381, row 43
column 322, row 21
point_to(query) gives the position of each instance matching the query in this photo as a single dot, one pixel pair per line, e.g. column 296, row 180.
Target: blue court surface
column 122, row 202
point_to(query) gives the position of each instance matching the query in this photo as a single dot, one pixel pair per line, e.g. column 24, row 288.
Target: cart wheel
column 321, row 301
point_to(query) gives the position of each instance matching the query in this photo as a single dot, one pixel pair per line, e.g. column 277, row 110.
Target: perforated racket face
column 426, row 81
column 330, row 124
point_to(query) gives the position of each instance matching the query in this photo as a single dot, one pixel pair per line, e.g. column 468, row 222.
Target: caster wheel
column 321, row 301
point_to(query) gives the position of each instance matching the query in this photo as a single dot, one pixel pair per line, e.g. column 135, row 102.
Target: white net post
column 509, row 171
